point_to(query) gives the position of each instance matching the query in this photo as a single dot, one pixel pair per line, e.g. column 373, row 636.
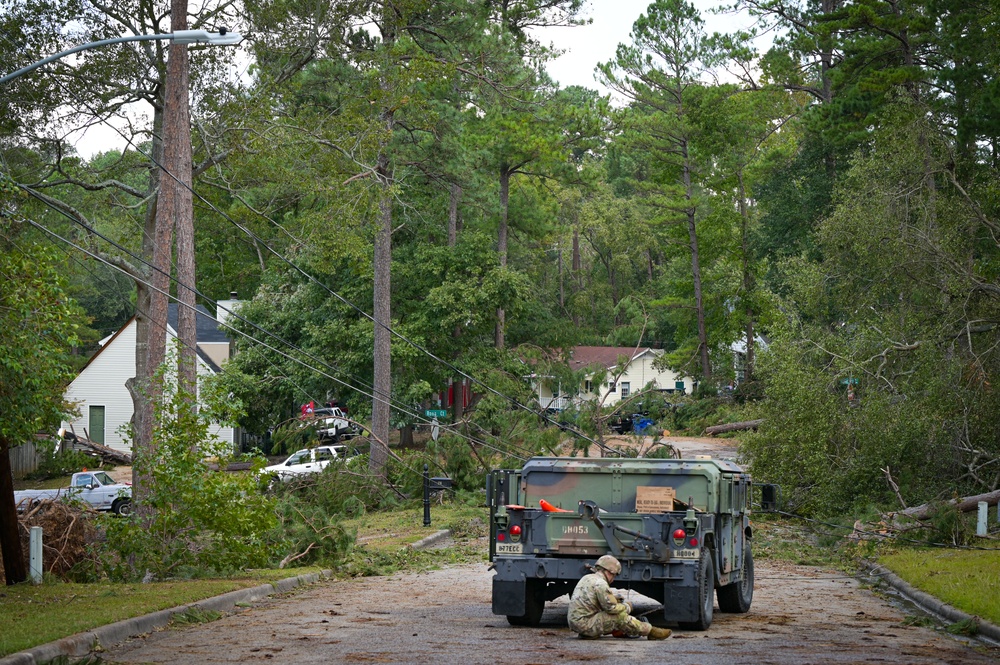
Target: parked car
column 304, row 462
column 95, row 488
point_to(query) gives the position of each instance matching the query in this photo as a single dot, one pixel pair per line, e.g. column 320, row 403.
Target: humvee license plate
column 510, row 548
column 685, row 554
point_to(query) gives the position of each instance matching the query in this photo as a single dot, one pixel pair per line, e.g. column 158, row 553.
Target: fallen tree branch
column 288, row 559
column 893, row 485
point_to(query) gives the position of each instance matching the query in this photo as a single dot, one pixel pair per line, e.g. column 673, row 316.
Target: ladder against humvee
column 680, row 528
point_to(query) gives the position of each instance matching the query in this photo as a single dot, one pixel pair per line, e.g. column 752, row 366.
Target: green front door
column 96, row 429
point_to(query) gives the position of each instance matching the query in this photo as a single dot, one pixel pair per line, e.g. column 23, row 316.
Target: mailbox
column 439, row 484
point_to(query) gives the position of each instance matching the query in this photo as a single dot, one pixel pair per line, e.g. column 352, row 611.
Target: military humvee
column 681, row 529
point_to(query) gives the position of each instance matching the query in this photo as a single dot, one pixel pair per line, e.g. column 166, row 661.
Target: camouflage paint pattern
column 595, row 611
column 613, row 485
column 535, row 550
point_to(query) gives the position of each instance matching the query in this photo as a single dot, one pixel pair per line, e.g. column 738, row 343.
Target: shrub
column 189, row 520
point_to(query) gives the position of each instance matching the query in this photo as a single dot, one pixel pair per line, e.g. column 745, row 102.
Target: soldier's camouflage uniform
column 594, row 610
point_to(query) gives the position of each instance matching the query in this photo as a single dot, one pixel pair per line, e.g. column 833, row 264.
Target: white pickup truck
column 305, row 462
column 95, row 488
column 332, row 425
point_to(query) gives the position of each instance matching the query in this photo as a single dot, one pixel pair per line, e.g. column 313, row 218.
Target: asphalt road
column 800, row 615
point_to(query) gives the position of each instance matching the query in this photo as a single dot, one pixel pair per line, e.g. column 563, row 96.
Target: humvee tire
column 706, row 599
column 736, row 597
column 534, row 606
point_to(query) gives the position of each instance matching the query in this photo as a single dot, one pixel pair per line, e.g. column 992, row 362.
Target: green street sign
column 435, row 413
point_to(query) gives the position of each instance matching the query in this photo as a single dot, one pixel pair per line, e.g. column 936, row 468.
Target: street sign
column 436, row 413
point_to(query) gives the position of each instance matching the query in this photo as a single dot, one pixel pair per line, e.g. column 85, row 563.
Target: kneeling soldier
column 595, row 611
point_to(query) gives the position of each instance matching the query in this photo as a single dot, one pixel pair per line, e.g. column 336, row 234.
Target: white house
column 99, row 391
column 638, row 373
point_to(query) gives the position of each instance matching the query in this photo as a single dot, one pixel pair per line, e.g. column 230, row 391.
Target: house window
column 96, row 430
column 626, row 387
column 588, row 386
column 679, row 386
column 612, row 388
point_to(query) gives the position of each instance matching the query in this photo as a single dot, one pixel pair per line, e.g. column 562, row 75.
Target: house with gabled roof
column 639, row 373
column 99, row 393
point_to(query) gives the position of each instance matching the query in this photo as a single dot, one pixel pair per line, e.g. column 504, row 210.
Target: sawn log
column 733, row 427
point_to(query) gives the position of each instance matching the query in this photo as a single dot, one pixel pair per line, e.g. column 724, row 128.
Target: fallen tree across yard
column 733, row 427
column 965, row 505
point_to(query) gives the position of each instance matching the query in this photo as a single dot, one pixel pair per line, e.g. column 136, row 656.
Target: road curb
column 929, row 602
column 81, row 644
column 423, row 543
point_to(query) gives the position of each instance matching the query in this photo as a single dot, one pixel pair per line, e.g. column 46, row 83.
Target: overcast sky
column 588, row 45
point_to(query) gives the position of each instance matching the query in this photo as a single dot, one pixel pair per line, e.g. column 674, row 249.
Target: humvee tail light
column 501, row 536
column 693, row 542
column 679, row 534
column 515, row 530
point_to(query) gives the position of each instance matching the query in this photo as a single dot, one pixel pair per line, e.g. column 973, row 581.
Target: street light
column 221, row 38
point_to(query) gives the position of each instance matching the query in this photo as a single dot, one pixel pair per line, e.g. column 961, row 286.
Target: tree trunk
column 965, row 505
column 455, row 195
column 14, row 567
column 458, row 399
column 576, row 270
column 454, row 226
column 733, row 427
column 699, row 304
column 562, row 290
column 382, row 313
column 177, row 178
column 749, row 284
column 139, row 385
column 149, row 388
column 502, row 247
column 382, row 296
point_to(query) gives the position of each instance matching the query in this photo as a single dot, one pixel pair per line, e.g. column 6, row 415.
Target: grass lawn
column 390, row 530
column 33, row 615
column 966, row 579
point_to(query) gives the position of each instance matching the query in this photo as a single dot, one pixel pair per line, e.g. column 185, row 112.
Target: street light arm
column 222, row 38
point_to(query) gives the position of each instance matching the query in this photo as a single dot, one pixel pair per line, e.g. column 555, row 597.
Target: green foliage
column 949, row 526
column 460, row 462
column 309, row 531
column 694, row 415
column 38, row 327
column 194, row 520
column 868, row 376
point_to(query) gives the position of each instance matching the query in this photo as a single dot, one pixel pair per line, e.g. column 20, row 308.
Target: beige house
column 639, row 372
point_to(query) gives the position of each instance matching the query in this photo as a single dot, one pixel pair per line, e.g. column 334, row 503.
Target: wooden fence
column 24, row 459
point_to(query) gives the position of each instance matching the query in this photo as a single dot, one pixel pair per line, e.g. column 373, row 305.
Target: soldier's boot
column 658, row 633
